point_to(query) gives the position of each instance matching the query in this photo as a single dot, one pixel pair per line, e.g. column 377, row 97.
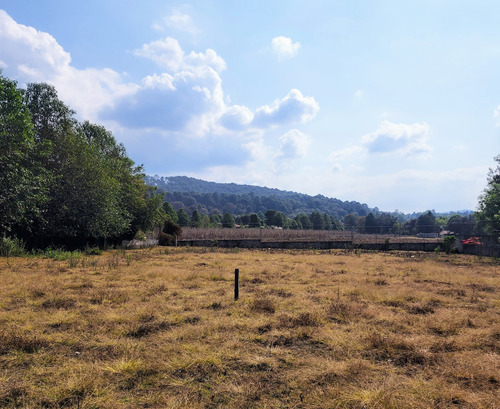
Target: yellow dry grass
column 312, row 329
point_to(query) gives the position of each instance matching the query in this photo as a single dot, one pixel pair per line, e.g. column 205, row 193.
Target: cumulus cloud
column 283, row 47
column 293, row 108
column 236, row 117
column 171, row 102
column 168, row 54
column 181, row 107
column 403, row 139
column 294, row 144
column 34, row 56
column 178, row 20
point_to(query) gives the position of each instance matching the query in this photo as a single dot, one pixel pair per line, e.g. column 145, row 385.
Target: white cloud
column 34, row 56
column 294, row 144
column 168, row 54
column 181, row 21
column 293, row 108
column 402, row 139
column 169, row 111
column 236, row 117
column 496, row 115
column 284, row 48
column 342, row 154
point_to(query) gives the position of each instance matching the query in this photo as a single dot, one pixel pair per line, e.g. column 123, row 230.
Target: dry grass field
column 312, row 329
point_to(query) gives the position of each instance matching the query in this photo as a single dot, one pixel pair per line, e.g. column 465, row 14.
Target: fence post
column 236, row 284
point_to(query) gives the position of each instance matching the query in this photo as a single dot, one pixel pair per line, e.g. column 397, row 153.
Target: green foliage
column 170, row 211
column 92, row 251
column 22, row 178
column 303, row 221
column 449, row 244
column 11, row 247
column 198, row 194
column 371, row 224
column 488, row 213
column 461, row 225
column 426, row 223
column 386, row 246
column 182, row 218
column 63, row 182
column 228, row 220
column 317, row 221
column 196, row 219
column 59, row 254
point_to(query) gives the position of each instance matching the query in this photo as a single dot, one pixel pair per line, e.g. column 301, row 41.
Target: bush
column 386, row 246
column 59, row 254
column 93, row 251
column 11, row 247
column 449, row 244
column 172, row 228
column 165, row 239
column 169, row 232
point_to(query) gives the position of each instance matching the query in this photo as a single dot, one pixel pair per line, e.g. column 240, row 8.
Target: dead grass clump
column 299, row 340
column 263, row 305
column 280, row 292
column 58, row 303
column 157, row 289
column 12, row 394
column 394, row 302
column 216, row 305
column 444, row 346
column 264, row 328
column 200, row 370
column 20, row 341
column 420, row 309
column 344, row 312
column 394, row 350
column 305, row 319
column 146, row 328
column 108, row 296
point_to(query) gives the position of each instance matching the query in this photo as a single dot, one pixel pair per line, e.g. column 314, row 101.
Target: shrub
column 11, row 247
column 93, row 251
column 386, row 246
column 169, row 232
column 449, row 244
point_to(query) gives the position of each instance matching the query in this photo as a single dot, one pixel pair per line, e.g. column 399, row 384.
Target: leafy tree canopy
column 488, row 213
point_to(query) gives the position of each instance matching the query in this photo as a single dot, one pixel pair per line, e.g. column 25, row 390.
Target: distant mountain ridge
column 188, row 184
column 195, row 194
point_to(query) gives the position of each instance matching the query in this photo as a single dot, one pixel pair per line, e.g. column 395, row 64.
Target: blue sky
column 392, row 103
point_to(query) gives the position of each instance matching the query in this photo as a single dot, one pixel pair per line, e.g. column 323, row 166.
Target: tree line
column 373, row 223
column 65, row 182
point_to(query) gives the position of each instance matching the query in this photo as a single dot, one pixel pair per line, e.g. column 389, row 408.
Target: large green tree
column 22, row 177
column 488, row 213
column 228, row 220
column 426, row 223
column 371, row 224
column 63, row 182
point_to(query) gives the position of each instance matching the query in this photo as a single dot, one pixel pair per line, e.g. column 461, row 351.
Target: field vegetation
column 159, row 328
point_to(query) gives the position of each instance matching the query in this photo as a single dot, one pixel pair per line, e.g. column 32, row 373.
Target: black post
column 236, row 284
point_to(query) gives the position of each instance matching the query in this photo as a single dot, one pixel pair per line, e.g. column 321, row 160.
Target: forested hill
column 207, row 197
